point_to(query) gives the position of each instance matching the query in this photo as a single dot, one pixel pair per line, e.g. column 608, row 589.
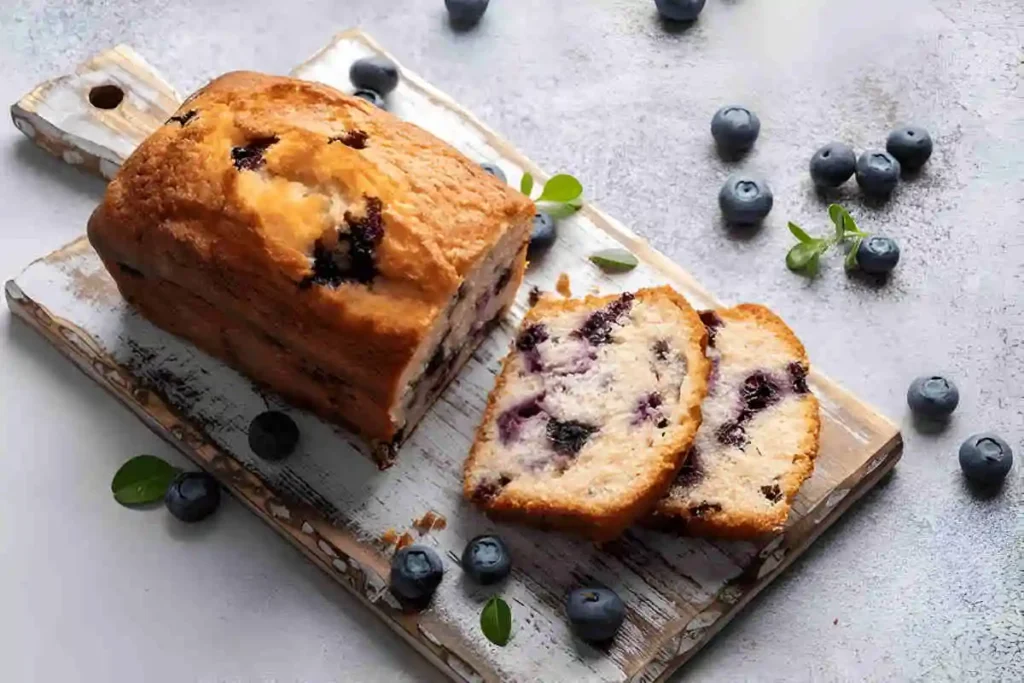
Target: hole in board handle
column 106, row 96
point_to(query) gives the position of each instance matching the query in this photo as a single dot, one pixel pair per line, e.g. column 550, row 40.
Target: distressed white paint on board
column 674, row 587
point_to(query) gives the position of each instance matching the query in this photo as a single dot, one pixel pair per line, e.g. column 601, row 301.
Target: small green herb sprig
column 805, row 256
column 496, row 621
column 561, row 197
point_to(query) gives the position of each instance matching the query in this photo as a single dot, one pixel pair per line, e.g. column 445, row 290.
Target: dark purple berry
column 192, row 496
column 376, row 73
column 758, row 392
column 711, row 323
column 511, row 421
column 250, row 156
column 569, row 437
column 597, row 329
column 798, row 378
column 273, row 435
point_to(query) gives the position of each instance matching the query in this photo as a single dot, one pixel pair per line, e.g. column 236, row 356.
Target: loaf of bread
column 345, row 259
column 759, row 437
column 595, row 407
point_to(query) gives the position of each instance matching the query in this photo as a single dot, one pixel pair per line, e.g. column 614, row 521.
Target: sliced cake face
column 759, row 436
column 594, row 400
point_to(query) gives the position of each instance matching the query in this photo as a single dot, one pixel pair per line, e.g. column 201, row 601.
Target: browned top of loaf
column 183, row 200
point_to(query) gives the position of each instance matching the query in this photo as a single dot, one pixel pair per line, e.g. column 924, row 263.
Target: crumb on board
column 562, row 286
column 428, row 522
column 405, row 540
column 535, row 295
column 389, row 537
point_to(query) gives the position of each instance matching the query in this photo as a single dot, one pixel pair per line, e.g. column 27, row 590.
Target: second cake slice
column 595, row 406
column 759, row 437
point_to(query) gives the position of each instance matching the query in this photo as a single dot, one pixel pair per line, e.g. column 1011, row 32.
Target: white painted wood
column 59, row 116
column 337, row 507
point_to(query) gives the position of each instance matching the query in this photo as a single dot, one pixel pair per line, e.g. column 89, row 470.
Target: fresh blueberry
column 486, row 560
column 192, row 496
column 745, row 200
column 878, row 255
column 495, row 171
column 273, row 435
column 377, row 73
column 465, row 14
column 543, row 235
column 833, row 164
column 371, row 96
column 933, row 397
column 735, row 128
column 680, row 10
column 910, row 145
column 877, row 172
column 985, row 459
column 595, row 613
column 416, row 572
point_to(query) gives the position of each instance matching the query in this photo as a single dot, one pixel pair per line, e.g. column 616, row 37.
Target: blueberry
column 377, row 73
column 192, row 496
column 745, row 200
column 371, row 96
column 465, row 14
column 833, row 164
column 495, row 171
column 877, row 172
column 985, row 459
column 543, row 235
column 878, row 255
column 273, row 435
column 910, row 145
column 735, row 128
column 933, row 397
column 416, row 573
column 680, row 10
column 595, row 613
column 486, row 560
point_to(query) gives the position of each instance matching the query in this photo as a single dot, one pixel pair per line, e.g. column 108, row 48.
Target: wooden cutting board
column 333, row 504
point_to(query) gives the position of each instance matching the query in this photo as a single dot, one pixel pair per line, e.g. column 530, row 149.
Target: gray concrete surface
column 921, row 581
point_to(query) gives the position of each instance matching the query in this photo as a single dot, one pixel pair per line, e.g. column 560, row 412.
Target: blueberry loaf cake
column 759, row 437
column 343, row 258
column 594, row 409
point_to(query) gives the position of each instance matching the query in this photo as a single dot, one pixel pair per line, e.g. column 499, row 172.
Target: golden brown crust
column 673, row 514
column 593, row 520
column 240, row 234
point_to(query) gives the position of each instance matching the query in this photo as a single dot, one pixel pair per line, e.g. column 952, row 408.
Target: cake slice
column 759, row 437
column 596, row 405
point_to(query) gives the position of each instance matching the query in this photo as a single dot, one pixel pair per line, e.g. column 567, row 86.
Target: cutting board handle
column 95, row 117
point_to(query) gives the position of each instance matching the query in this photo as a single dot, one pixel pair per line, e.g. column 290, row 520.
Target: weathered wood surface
column 346, row 516
column 96, row 116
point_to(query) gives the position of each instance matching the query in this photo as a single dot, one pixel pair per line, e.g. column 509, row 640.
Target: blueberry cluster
column 878, row 171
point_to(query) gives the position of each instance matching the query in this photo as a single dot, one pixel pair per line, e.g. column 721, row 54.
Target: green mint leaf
column 559, row 210
column 496, row 621
column 843, row 221
column 851, row 256
column 799, row 233
column 526, row 184
column 143, row 479
column 561, row 188
column 804, row 257
column 614, row 260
